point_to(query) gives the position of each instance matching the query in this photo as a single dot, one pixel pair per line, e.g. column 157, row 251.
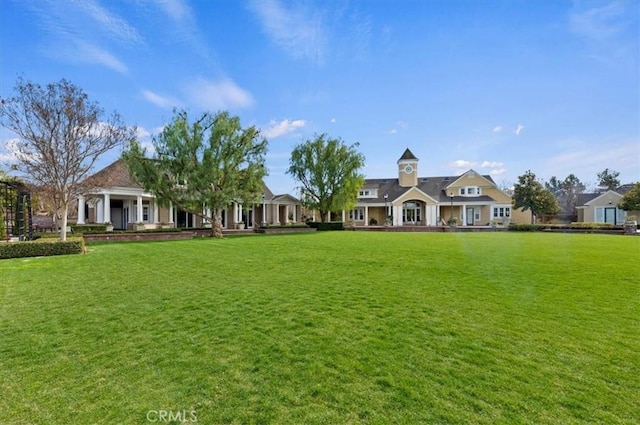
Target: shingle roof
column 115, row 174
column 407, row 155
column 435, row 187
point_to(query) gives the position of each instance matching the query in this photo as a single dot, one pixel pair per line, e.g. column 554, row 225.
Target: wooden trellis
column 15, row 206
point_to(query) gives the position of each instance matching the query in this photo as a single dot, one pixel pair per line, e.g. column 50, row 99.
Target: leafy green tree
column 566, row 192
column 530, row 194
column 204, row 166
column 608, row 179
column 631, row 200
column 61, row 135
column 328, row 172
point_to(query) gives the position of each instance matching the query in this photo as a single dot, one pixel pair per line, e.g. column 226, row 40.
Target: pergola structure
column 15, row 209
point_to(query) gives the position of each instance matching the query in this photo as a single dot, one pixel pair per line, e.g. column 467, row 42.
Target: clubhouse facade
column 125, row 204
column 469, row 199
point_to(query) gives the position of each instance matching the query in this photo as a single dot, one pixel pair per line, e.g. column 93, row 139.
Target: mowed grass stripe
column 337, row 327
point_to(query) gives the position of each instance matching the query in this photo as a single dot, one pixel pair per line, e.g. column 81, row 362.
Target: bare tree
column 61, row 135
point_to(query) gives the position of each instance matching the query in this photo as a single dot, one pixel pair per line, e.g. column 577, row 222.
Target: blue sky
column 498, row 86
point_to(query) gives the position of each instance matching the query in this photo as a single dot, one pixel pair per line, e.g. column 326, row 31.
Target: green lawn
column 331, row 328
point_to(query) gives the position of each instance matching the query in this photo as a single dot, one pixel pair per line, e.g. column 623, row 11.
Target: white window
column 501, row 212
column 356, row 214
column 470, row 191
column 368, row 193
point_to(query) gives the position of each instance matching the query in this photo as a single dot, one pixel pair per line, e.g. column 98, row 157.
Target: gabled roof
column 285, row 197
column 475, row 173
column 407, row 155
column 434, row 187
column 597, row 196
column 115, row 174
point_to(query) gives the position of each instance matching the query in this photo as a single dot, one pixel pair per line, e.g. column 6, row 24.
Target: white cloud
column 100, row 56
column 586, row 160
column 277, row 129
column 489, row 164
column 498, row 171
column 110, row 23
column 393, row 131
column 497, row 129
column 519, row 129
column 8, row 151
column 177, row 10
column 461, row 163
column 598, row 23
column 216, row 95
column 159, row 100
column 300, row 32
column 78, row 31
column 332, row 120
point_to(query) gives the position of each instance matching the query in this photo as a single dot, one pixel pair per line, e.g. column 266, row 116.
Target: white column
column 343, row 216
column 277, row 214
column 99, row 210
column 463, row 215
column 171, row 212
column 313, row 215
column 156, row 211
column 81, row 208
column 397, row 215
column 366, row 215
column 295, row 214
column 138, row 208
column 107, row 208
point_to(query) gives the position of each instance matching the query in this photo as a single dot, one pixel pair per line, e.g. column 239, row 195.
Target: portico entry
column 412, row 212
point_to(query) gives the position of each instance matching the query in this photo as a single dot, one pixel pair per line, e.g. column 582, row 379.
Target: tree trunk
column 216, row 228
column 323, row 216
column 63, row 225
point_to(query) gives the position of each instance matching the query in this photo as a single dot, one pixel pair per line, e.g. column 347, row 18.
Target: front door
column 470, row 216
column 411, row 213
column 610, row 215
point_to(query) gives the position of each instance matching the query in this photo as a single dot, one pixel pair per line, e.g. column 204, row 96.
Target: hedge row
column 576, row 225
column 513, row 227
column 41, row 248
column 331, row 225
column 88, row 228
column 586, row 225
column 284, row 226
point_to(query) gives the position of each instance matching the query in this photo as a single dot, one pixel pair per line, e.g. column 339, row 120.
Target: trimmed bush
column 331, row 225
column 513, row 227
column 587, row 225
column 41, row 248
column 284, row 226
column 82, row 229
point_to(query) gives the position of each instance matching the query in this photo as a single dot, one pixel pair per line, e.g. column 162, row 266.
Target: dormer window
column 470, row 191
column 368, row 193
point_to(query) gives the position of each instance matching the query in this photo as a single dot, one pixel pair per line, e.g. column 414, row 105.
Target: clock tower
column 408, row 169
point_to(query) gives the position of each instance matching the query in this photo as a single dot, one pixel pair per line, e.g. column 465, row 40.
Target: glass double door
column 412, row 213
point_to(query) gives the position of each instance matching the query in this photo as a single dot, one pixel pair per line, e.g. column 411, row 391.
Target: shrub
column 81, row 229
column 513, row 227
column 587, row 225
column 331, row 225
column 284, row 226
column 373, row 221
column 41, row 248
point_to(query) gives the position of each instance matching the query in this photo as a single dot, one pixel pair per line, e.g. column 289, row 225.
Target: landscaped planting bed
column 326, row 327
